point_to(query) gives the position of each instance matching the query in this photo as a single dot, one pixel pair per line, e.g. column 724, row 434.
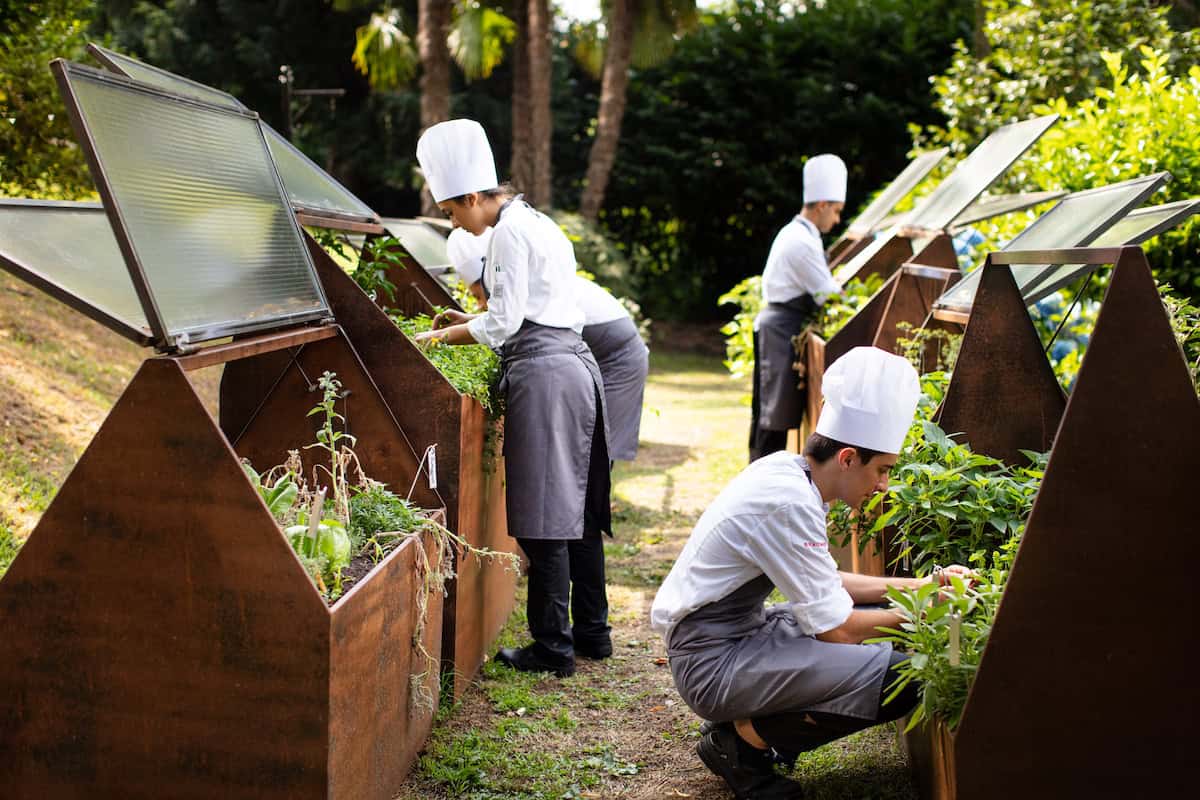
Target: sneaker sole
column 717, row 766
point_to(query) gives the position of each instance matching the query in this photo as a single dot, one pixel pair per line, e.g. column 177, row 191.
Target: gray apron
column 553, row 392
column 624, row 362
column 781, row 403
column 734, row 659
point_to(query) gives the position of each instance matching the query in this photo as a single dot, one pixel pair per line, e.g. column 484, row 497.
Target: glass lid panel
column 140, row 71
column 979, row 170
column 421, row 241
column 896, row 191
column 308, row 186
column 1135, row 228
column 201, row 207
column 71, row 246
column 849, row 268
column 1075, row 221
column 995, row 206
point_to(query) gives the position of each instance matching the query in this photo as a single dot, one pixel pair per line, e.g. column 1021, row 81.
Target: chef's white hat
column 467, row 252
column 456, row 159
column 870, row 398
column 825, row 179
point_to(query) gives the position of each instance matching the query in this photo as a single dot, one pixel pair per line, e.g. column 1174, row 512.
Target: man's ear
column 845, row 457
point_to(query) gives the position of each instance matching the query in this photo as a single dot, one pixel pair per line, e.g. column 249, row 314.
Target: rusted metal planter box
column 469, row 464
column 1081, row 691
column 163, row 640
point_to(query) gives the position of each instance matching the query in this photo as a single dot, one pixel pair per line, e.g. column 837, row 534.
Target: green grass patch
column 9, row 545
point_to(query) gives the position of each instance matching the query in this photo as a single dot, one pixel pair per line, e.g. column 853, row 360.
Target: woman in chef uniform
column 608, row 329
column 796, row 282
column 555, row 439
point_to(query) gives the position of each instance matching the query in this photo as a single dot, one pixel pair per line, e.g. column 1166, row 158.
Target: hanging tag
column 432, row 470
column 955, row 630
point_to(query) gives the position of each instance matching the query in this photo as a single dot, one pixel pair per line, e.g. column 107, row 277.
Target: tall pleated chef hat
column 456, row 159
column 467, row 252
column 870, row 398
column 825, row 179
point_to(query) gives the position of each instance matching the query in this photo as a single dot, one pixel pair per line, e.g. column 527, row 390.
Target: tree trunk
column 521, row 165
column 433, row 26
column 540, row 124
column 613, row 86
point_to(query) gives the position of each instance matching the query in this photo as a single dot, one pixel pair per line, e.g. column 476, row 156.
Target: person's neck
column 492, row 205
column 825, row 478
column 807, row 215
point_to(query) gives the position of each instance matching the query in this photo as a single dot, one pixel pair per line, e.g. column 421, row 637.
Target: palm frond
column 478, row 37
column 384, row 52
column 589, row 47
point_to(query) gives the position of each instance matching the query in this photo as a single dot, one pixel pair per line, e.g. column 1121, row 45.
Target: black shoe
column 749, row 773
column 780, row 758
column 594, row 650
column 524, row 659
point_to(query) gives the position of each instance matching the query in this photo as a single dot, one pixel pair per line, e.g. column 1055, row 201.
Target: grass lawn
column 618, row 728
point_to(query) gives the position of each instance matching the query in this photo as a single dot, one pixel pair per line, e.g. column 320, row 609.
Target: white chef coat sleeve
column 809, row 263
column 792, row 549
column 508, row 262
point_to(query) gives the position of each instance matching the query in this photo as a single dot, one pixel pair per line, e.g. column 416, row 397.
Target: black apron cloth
column 624, row 363
column 777, row 402
column 555, row 435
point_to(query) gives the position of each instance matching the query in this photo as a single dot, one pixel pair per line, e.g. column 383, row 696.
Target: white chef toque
column 825, row 179
column 870, row 398
column 467, row 252
column 456, row 159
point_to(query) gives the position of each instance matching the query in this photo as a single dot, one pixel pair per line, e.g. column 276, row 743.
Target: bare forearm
column 871, row 589
column 861, row 625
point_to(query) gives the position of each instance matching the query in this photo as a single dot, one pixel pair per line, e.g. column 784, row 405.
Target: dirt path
column 618, row 728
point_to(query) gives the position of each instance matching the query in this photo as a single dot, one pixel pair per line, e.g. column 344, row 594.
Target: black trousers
column 763, row 441
column 798, row 732
column 561, row 573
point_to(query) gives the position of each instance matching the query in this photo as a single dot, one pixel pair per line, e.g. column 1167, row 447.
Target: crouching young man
column 775, row 682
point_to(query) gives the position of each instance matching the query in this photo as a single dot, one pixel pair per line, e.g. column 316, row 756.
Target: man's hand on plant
column 428, row 338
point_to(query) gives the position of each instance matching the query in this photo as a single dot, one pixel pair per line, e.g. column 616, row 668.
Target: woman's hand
column 428, row 338
column 450, row 317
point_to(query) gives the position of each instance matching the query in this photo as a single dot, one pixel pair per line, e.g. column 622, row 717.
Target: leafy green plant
column 739, row 332
column 472, row 369
column 839, row 308
column 1185, row 322
column 951, row 505
column 379, row 257
column 924, row 345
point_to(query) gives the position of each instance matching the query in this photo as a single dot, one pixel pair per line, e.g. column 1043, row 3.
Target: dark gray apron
column 624, row 362
column 553, row 392
column 781, row 403
column 735, row 659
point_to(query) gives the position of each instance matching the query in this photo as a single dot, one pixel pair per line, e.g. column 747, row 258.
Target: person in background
column 776, row 682
column 796, row 282
column 555, row 434
column 608, row 329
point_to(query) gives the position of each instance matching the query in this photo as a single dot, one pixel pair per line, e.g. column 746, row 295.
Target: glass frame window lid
column 996, row 205
column 979, row 170
column 68, row 251
column 197, row 208
column 310, row 189
column 425, row 244
column 1077, row 220
column 878, row 210
column 1136, row 227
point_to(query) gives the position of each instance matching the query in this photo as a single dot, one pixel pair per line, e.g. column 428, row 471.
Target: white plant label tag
column 955, row 631
column 433, row 466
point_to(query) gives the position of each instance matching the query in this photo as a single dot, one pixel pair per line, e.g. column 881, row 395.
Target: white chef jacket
column 770, row 520
column 597, row 304
column 796, row 265
column 530, row 271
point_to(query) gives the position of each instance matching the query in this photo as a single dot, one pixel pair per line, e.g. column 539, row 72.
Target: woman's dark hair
column 504, row 189
column 820, row 449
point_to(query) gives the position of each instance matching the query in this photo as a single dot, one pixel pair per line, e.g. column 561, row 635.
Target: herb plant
column 1185, row 322
column 739, row 331
column 472, row 369
column 839, row 308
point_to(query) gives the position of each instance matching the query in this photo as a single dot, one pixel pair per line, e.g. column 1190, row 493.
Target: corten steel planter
column 469, row 465
column 907, row 296
column 1094, row 700
column 898, row 248
column 162, row 638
